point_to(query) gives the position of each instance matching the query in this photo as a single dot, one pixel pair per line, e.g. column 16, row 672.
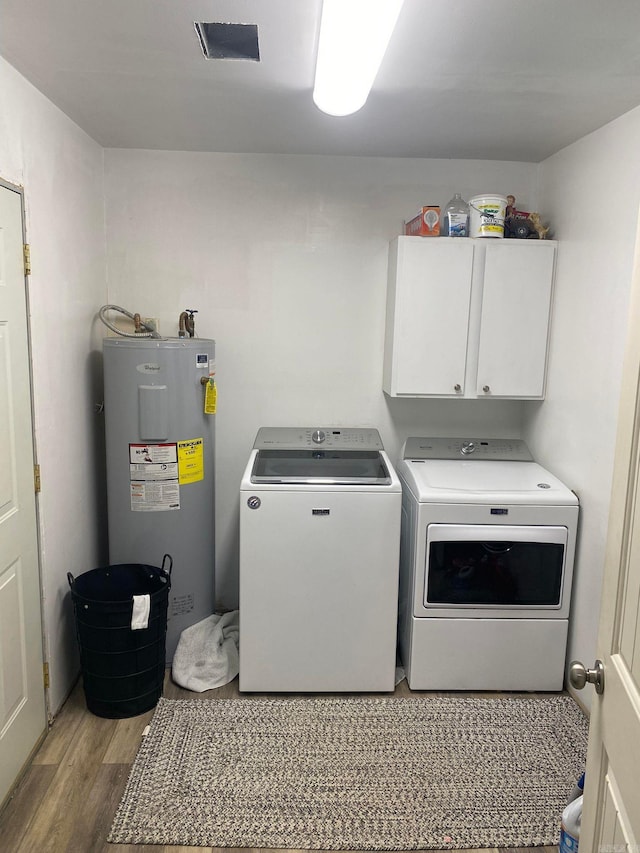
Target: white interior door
column 611, row 819
column 22, row 697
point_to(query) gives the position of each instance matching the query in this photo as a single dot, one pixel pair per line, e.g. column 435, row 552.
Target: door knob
column 579, row 676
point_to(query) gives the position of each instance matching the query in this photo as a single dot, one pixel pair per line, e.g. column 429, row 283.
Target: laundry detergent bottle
column 570, row 827
column 456, row 218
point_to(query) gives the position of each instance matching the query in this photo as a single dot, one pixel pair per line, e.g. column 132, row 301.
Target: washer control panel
column 503, row 449
column 336, row 438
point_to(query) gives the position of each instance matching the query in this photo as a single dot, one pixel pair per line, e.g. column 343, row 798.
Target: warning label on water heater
column 154, row 461
column 191, row 460
column 154, row 497
column 153, row 474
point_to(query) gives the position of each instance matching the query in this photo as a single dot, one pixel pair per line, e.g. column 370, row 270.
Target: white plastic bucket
column 486, row 215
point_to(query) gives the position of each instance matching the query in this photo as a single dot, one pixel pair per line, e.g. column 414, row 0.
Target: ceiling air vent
column 229, row 41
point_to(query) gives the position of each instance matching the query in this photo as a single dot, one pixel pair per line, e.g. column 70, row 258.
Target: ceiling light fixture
column 354, row 35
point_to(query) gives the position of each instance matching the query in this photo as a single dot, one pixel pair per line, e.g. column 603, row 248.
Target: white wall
column 61, row 170
column 590, row 191
column 285, row 258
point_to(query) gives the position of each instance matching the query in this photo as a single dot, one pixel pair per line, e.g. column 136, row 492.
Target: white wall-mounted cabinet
column 468, row 317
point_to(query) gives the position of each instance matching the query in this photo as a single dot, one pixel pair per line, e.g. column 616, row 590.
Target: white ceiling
column 485, row 79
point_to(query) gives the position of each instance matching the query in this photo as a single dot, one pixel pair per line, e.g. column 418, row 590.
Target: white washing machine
column 319, row 561
column 486, row 566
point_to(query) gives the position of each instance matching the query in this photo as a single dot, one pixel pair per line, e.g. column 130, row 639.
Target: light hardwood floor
column 67, row 799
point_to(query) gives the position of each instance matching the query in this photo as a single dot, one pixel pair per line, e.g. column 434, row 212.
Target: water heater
column 160, row 465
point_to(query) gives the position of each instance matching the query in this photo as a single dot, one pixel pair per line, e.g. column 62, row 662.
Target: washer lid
column 328, row 467
column 484, row 482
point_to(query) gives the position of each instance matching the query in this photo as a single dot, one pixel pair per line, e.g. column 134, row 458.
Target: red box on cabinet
column 425, row 224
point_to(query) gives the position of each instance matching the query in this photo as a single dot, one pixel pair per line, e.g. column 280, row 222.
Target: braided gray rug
column 354, row 773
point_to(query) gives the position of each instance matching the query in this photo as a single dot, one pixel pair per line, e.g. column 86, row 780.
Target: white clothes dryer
column 319, row 562
column 486, row 566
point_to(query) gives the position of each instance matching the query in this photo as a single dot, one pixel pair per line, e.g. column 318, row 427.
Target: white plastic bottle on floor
column 456, row 218
column 570, row 827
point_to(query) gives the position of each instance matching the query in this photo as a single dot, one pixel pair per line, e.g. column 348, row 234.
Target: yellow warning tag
column 210, row 398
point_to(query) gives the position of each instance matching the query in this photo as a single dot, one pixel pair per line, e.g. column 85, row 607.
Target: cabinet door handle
column 457, row 388
column 486, row 389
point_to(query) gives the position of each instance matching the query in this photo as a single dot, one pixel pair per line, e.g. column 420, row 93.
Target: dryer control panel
column 503, row 449
column 336, row 438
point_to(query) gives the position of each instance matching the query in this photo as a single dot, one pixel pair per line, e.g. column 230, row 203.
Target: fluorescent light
column 354, row 35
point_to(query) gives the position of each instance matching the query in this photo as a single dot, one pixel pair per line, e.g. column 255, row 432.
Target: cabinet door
column 430, row 288
column 514, row 324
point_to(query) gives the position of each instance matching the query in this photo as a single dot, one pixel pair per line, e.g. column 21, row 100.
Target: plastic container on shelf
column 487, row 215
column 455, row 220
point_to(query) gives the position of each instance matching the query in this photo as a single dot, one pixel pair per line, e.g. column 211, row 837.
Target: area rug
column 354, row 773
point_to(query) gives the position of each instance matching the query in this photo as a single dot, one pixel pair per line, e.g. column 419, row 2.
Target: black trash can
column 122, row 668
